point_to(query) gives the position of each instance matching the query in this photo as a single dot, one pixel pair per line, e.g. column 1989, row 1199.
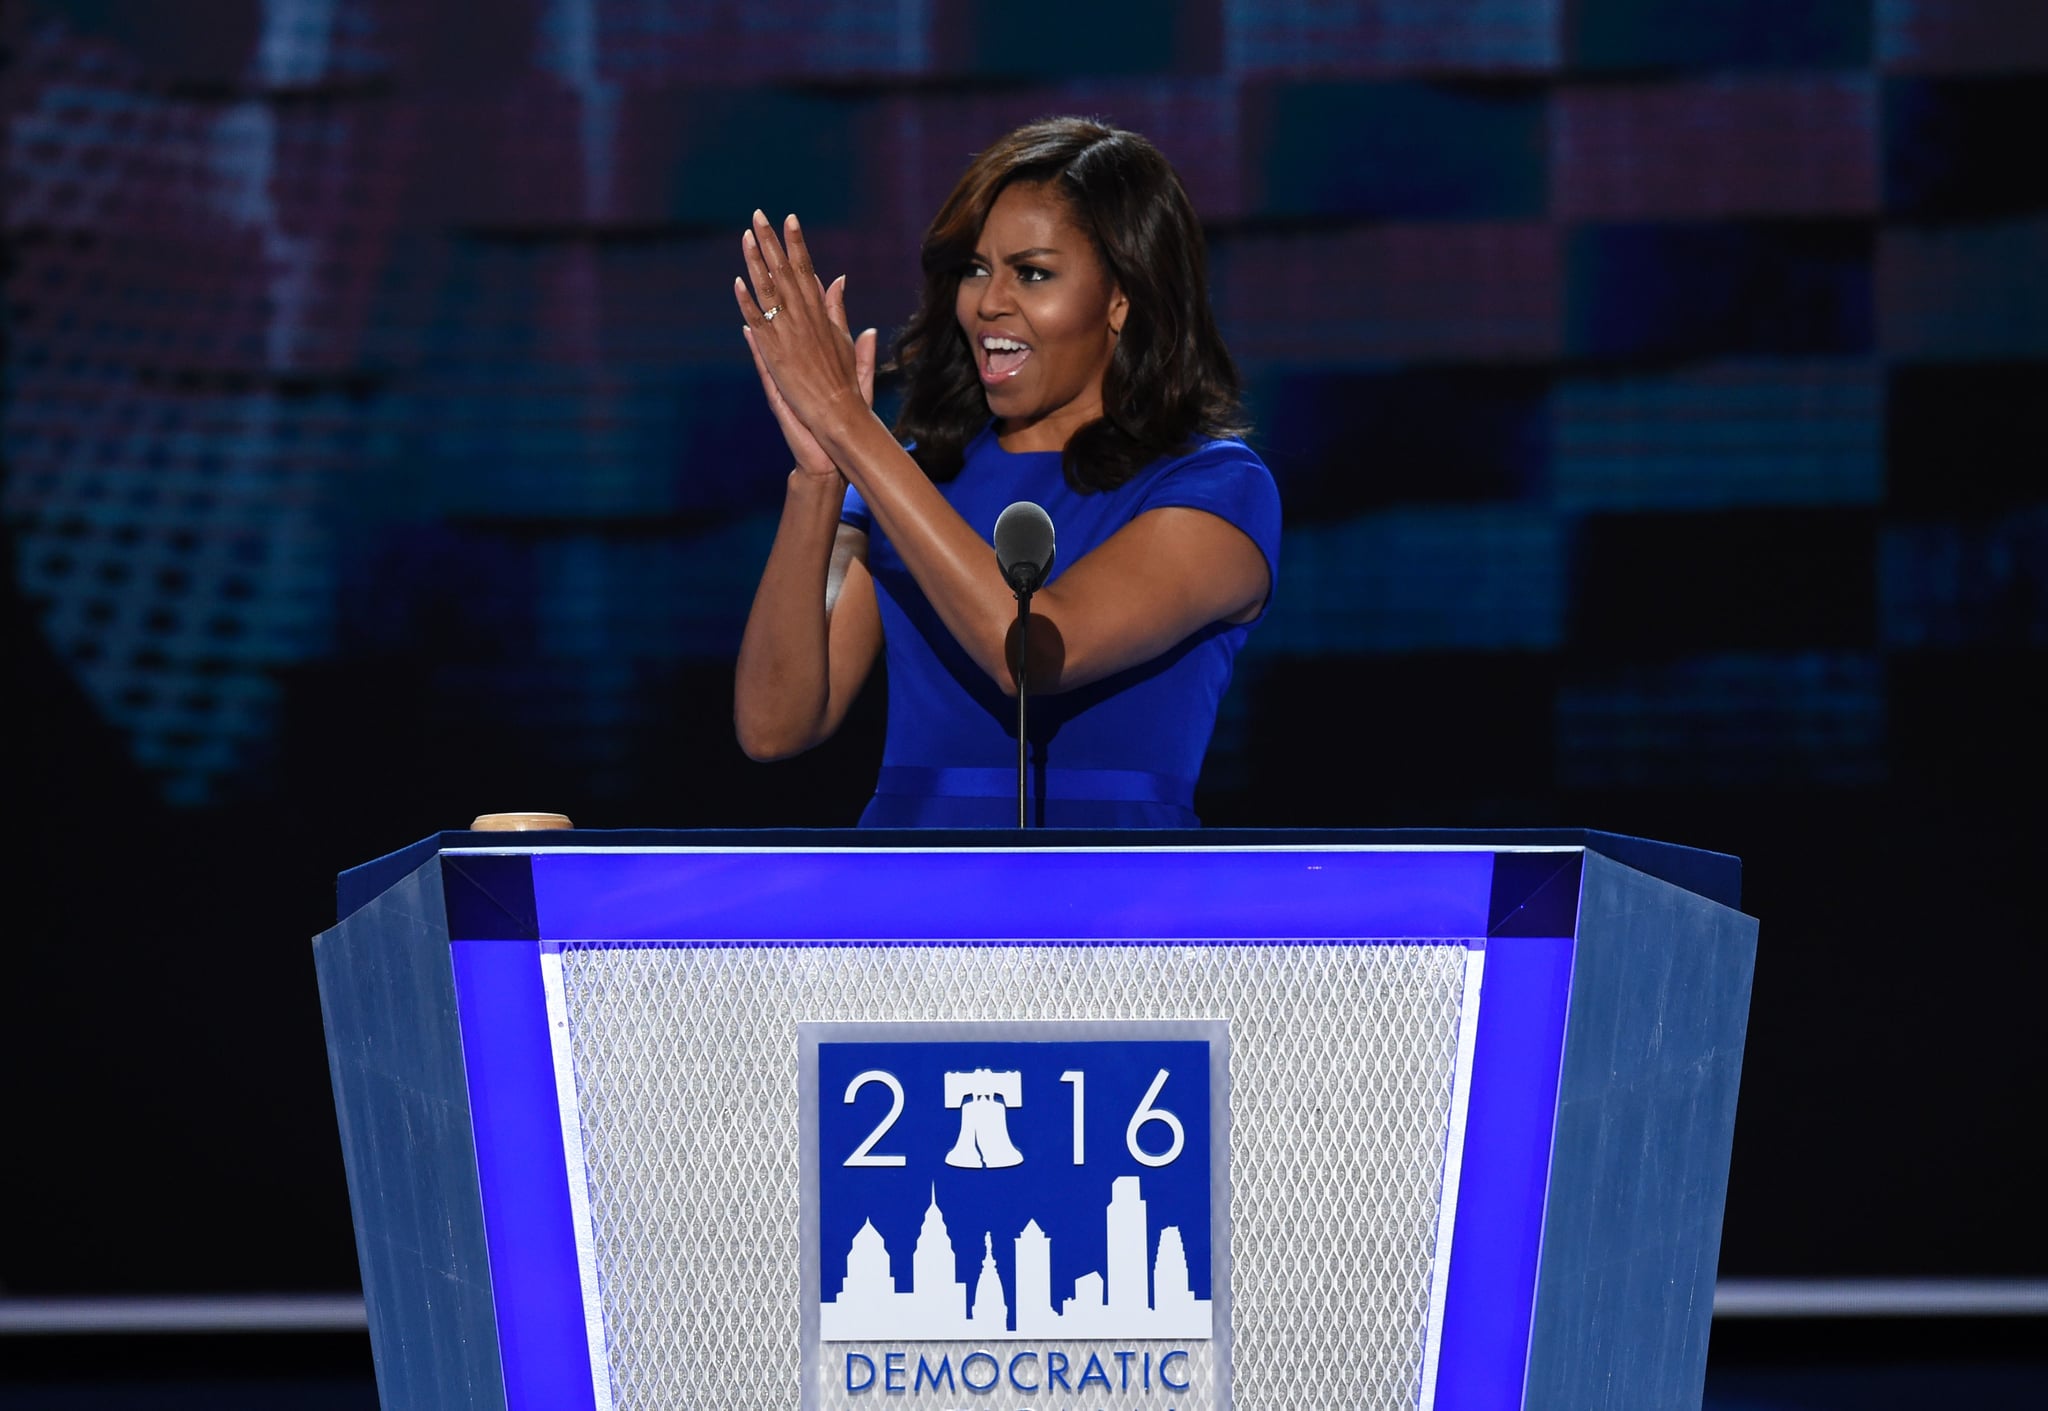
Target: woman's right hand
column 810, row 457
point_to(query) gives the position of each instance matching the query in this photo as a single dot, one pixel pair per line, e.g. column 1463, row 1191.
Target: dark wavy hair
column 1170, row 380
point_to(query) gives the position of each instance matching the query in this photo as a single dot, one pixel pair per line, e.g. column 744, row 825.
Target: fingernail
column 792, row 220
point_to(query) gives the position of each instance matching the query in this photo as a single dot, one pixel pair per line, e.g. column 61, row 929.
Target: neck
column 1019, row 436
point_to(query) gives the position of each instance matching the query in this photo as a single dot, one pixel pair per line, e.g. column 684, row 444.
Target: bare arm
column 1164, row 576
column 813, row 632
column 814, row 629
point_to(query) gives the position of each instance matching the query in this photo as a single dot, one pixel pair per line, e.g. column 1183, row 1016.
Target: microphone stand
column 1024, row 553
column 1023, row 635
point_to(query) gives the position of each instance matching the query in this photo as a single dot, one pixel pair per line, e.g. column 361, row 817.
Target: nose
column 997, row 296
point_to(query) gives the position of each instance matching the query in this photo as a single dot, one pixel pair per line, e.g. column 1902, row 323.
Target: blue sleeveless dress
column 1123, row 752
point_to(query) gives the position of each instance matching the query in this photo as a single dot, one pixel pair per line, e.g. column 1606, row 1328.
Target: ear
column 1119, row 310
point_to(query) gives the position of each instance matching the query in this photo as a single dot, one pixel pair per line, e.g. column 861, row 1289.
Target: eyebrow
column 1033, row 253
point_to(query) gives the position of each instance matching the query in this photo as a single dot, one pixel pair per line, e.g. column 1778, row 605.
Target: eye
column 974, row 269
column 1032, row 274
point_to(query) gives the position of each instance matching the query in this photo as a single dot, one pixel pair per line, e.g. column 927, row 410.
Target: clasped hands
column 814, row 372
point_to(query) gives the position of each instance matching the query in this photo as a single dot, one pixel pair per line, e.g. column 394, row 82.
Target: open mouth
column 1001, row 357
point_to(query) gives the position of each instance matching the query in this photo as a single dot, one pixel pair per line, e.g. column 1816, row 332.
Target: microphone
column 1024, row 551
column 1024, row 547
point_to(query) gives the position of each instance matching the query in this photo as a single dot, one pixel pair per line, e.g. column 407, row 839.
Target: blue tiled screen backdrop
column 1656, row 390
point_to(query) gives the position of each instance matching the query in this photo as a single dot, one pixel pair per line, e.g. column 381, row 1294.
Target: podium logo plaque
column 1030, row 1213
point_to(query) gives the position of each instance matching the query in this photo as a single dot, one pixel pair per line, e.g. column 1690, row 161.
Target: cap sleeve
column 1228, row 480
column 853, row 511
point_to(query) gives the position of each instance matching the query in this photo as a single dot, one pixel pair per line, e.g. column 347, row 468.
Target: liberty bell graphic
column 984, row 1137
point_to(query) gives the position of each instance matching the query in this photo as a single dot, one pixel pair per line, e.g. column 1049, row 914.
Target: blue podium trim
column 993, row 895
column 1498, row 1227
column 1715, row 876
column 523, row 1173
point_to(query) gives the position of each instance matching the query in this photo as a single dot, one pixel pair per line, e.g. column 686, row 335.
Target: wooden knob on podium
column 519, row 822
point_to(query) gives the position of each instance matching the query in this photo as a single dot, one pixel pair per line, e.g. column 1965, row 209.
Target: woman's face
column 1041, row 316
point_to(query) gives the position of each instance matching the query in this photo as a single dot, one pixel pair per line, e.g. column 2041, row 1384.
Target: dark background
column 1655, row 387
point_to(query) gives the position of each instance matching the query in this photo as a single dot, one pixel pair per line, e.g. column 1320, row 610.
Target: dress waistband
column 1117, row 785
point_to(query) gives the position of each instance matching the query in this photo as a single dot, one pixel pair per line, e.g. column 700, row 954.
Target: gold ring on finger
column 768, row 314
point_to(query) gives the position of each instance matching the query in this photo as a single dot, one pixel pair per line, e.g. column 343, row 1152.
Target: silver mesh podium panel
column 1342, row 1064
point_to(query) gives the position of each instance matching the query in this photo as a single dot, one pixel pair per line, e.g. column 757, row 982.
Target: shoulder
column 1227, row 451
column 1223, row 463
column 1224, row 477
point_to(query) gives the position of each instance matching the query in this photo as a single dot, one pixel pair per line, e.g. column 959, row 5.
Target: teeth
column 1002, row 345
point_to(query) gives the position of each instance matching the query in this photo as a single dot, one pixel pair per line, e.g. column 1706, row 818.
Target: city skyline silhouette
column 1134, row 1293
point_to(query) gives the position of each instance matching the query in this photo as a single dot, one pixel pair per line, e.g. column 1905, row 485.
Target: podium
column 1449, row 1113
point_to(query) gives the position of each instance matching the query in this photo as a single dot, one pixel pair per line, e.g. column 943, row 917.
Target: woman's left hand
column 797, row 327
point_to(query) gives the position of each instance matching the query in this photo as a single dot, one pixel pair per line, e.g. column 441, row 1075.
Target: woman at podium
column 1063, row 353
